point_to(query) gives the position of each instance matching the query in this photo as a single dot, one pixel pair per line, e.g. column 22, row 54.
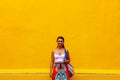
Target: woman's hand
column 66, row 61
column 51, row 75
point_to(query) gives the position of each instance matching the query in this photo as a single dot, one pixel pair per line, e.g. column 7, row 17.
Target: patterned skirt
column 60, row 72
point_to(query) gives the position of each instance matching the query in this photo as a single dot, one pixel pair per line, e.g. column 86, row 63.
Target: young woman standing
column 59, row 58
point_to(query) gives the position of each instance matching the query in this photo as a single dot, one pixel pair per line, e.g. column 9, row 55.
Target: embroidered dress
column 60, row 72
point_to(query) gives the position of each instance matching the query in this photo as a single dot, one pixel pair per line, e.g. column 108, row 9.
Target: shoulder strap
column 65, row 53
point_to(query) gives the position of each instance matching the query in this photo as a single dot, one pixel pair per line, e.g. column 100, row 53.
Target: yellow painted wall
column 29, row 28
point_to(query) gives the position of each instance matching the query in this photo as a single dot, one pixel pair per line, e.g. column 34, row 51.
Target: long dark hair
column 60, row 37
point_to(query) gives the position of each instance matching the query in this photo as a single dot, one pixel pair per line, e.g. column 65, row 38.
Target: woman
column 59, row 58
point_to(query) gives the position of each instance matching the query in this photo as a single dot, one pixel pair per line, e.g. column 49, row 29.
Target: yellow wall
column 29, row 28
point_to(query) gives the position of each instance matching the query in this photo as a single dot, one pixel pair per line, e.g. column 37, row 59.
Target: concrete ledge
column 46, row 71
column 45, row 76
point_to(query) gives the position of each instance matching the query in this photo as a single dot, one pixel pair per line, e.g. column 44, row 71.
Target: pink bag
column 69, row 66
column 70, row 70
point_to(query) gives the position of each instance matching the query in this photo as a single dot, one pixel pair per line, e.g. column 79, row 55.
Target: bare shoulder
column 67, row 50
column 53, row 51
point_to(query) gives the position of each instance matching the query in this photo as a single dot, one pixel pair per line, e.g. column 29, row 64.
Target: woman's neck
column 60, row 47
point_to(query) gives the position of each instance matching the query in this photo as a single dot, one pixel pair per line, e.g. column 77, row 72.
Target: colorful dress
column 60, row 72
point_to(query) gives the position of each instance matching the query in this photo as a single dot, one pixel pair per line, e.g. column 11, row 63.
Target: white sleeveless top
column 59, row 58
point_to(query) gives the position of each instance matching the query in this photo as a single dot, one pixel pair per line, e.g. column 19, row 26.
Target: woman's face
column 60, row 42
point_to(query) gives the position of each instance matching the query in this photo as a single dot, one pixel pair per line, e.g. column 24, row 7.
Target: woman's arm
column 52, row 62
column 67, row 57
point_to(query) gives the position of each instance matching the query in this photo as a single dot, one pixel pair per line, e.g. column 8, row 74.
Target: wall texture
column 29, row 28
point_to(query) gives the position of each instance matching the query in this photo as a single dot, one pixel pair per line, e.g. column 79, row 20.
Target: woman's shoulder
column 66, row 50
column 53, row 51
